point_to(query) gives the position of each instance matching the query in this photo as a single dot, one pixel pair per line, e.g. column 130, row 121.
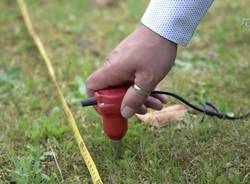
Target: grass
column 78, row 35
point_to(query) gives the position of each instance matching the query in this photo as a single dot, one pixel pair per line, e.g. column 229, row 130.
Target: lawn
column 78, row 35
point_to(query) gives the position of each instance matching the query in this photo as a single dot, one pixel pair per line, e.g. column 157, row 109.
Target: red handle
column 108, row 105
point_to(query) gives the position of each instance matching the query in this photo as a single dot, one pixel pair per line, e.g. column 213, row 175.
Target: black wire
column 208, row 104
column 214, row 112
column 89, row 101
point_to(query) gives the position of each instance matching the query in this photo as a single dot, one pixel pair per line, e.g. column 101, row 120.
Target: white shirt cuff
column 175, row 20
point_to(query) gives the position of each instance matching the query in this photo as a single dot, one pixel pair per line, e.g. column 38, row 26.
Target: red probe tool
column 107, row 103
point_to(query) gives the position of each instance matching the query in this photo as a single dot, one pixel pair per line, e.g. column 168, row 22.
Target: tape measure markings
column 71, row 120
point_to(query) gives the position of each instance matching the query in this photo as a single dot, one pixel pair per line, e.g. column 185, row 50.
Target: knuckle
column 148, row 79
column 110, row 57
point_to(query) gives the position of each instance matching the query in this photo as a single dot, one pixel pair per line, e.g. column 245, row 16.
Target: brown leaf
column 165, row 116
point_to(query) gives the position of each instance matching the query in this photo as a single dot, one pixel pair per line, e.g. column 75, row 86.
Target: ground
column 78, row 35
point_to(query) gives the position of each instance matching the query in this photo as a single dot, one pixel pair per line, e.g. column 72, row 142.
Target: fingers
column 142, row 110
column 132, row 101
column 162, row 98
column 153, row 103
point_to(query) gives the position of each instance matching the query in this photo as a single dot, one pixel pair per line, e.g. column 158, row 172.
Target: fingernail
column 127, row 112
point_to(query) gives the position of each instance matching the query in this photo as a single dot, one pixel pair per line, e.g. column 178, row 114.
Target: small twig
column 57, row 165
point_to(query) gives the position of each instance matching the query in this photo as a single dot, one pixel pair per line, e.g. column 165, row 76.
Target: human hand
column 143, row 58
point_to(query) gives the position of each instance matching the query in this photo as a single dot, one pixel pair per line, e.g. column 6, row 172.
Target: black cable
column 208, row 104
column 89, row 101
column 215, row 112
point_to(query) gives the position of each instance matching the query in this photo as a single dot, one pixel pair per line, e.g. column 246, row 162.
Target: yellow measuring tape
column 83, row 149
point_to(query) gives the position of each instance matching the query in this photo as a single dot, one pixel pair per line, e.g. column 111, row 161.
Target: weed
column 28, row 169
column 46, row 127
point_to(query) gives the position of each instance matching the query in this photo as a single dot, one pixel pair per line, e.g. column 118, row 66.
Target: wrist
column 153, row 37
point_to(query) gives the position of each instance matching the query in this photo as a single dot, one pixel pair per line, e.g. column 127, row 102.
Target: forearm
column 175, row 20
